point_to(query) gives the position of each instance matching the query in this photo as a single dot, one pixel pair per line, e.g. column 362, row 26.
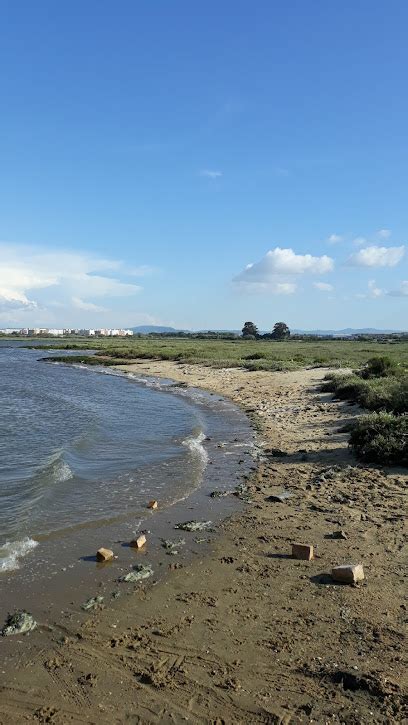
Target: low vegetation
column 381, row 386
column 288, row 354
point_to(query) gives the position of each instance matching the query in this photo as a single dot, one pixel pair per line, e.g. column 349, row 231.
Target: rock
column 194, row 526
column 348, row 573
column 172, row 547
column 139, row 542
column 280, row 497
column 92, row 603
column 18, row 623
column 339, row 535
column 104, row 554
column 140, row 571
column 303, row 551
column 275, row 452
column 152, row 505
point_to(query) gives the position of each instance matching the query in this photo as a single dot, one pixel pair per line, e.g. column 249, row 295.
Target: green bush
column 381, row 438
column 378, row 367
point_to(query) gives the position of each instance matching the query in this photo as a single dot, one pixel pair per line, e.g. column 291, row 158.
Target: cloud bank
column 377, row 257
column 277, row 270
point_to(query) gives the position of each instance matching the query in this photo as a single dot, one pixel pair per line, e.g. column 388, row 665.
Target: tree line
column 280, row 332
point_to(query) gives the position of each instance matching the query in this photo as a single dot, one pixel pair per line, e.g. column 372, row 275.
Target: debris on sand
column 104, row 554
column 280, row 497
column 338, row 535
column 152, row 505
column 18, row 623
column 138, row 542
column 92, row 603
column 140, row 571
column 172, row 547
column 303, row 551
column 194, row 526
column 275, row 453
column 348, row 573
column 219, row 494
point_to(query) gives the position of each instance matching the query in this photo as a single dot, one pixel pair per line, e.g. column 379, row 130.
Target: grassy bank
column 249, row 354
column 380, row 386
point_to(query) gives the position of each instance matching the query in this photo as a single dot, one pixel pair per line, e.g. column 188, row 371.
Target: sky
column 202, row 164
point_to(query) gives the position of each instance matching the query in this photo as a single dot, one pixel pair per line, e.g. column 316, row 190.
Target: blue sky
column 150, row 152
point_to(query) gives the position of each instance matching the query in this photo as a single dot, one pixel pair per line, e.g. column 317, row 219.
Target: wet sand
column 244, row 633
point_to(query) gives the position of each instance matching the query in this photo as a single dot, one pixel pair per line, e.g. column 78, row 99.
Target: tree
column 249, row 330
column 280, row 331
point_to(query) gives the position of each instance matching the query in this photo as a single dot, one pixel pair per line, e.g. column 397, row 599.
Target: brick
column 152, row 505
column 348, row 573
column 303, row 551
column 104, row 554
column 139, row 542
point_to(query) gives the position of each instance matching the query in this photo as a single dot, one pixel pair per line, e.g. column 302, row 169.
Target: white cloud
column 89, row 306
column 374, row 290
column 323, row 286
column 335, row 239
column 384, row 233
column 377, row 257
column 276, row 271
column 209, row 174
column 27, row 273
column 402, row 291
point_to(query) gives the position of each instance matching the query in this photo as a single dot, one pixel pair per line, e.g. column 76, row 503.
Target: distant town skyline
column 200, row 165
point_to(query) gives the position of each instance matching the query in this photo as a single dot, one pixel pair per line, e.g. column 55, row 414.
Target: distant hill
column 145, row 329
column 346, row 331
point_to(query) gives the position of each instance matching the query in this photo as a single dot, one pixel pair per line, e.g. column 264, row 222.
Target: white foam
column 195, row 444
column 12, row 551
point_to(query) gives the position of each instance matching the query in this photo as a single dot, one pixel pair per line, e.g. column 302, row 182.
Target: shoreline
column 245, row 633
column 64, row 565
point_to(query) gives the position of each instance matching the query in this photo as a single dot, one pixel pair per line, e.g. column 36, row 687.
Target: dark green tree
column 250, row 330
column 280, row 331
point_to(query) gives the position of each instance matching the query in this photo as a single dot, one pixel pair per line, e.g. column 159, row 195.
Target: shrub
column 378, row 367
column 381, row 438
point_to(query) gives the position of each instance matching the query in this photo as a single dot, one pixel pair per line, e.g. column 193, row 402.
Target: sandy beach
column 246, row 633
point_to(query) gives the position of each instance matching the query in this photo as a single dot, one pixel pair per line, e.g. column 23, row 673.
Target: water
column 81, row 448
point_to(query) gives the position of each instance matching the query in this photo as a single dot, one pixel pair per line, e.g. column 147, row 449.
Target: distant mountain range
column 146, row 329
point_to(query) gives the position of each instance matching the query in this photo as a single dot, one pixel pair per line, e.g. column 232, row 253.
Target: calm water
column 81, row 447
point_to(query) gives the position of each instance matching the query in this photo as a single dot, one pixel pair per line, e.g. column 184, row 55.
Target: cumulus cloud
column 209, row 174
column 74, row 278
column 384, row 233
column 377, row 257
column 323, row 286
column 335, row 239
column 402, row 291
column 276, row 271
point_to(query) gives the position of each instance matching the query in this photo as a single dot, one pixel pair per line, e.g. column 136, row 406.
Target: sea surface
column 87, row 447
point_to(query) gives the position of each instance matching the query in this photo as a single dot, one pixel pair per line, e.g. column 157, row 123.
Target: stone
column 194, row 526
column 339, row 535
column 104, row 554
column 92, row 603
column 140, row 571
column 303, row 551
column 152, row 505
column 280, row 497
column 139, row 542
column 18, row 623
column 348, row 573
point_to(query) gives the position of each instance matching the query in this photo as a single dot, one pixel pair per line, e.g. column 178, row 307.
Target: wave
column 195, row 444
column 56, row 470
column 12, row 551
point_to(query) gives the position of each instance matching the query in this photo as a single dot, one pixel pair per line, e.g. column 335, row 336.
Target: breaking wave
column 12, row 551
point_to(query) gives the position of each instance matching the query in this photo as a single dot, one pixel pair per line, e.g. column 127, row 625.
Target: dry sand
column 248, row 634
